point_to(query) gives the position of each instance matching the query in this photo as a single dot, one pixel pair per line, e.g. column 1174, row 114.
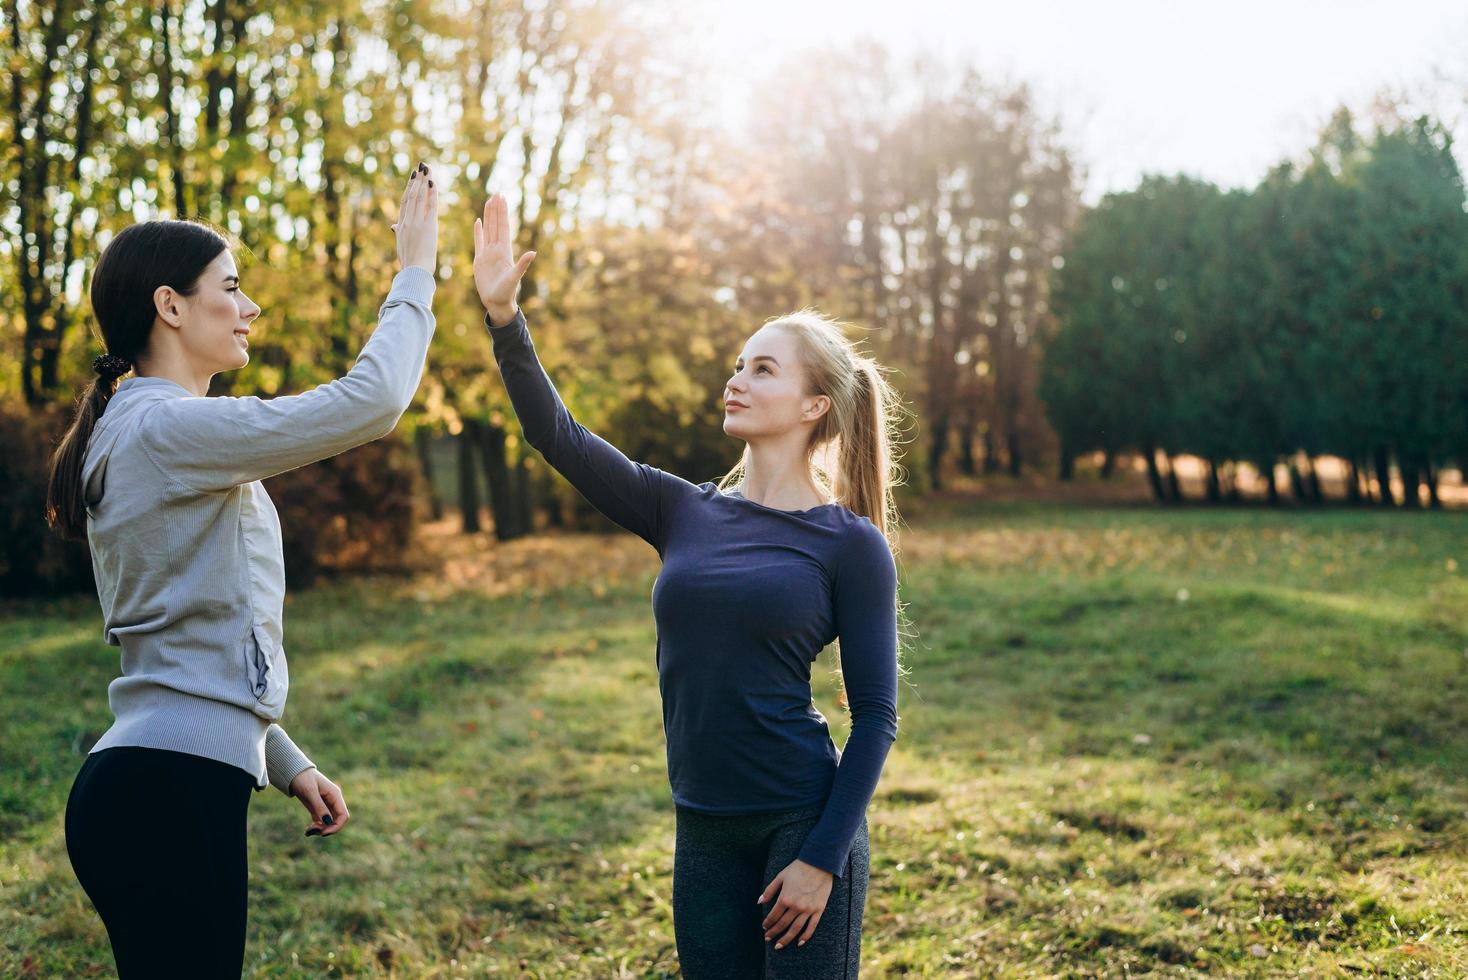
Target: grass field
column 1134, row 741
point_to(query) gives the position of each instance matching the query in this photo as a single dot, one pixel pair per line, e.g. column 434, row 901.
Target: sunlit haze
column 1220, row 91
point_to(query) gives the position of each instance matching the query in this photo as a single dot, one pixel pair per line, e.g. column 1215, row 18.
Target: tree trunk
column 1016, row 454
column 173, row 128
column 423, row 443
column 524, row 498
column 43, row 230
column 50, row 363
column 1108, row 464
column 1214, row 491
column 1067, row 462
column 1429, row 472
column 967, row 464
column 1408, row 466
column 1297, row 482
column 1271, row 484
column 1312, row 481
column 1154, row 475
column 1383, row 463
column 991, row 458
column 936, row 451
column 1174, row 486
column 1353, row 483
column 551, row 505
column 468, row 485
column 497, row 479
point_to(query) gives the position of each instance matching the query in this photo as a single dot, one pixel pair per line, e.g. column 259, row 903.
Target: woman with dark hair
column 761, row 572
column 165, row 485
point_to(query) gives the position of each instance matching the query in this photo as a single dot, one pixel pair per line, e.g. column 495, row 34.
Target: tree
column 56, row 118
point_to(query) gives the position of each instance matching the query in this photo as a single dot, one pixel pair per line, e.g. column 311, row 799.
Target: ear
column 815, row 407
column 168, row 306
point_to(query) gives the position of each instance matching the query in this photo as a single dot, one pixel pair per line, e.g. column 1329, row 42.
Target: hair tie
column 111, row 366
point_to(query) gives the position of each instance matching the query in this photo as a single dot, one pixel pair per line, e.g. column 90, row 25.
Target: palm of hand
column 497, row 273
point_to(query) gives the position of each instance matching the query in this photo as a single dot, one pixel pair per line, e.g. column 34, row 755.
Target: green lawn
column 1226, row 742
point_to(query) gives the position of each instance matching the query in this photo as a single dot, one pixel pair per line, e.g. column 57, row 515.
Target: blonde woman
column 164, row 484
column 771, row 859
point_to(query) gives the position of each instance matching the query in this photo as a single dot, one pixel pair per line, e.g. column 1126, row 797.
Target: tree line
column 1322, row 313
column 926, row 204
column 935, row 208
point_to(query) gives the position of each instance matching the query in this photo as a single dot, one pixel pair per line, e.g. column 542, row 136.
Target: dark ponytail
column 132, row 267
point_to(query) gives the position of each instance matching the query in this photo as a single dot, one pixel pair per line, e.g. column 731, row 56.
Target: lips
column 733, row 406
column 243, row 336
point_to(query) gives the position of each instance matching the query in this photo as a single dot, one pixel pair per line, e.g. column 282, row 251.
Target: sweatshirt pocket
column 265, row 673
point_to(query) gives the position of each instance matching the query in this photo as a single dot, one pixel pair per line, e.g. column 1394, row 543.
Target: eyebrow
column 235, row 279
column 758, row 357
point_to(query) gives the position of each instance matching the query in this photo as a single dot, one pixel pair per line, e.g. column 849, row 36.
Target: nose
column 735, row 382
column 251, row 310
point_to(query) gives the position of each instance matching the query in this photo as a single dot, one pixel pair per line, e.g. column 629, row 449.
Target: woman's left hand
column 497, row 272
column 323, row 800
column 803, row 890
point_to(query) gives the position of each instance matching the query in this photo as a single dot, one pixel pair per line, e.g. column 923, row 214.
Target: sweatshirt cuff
column 413, row 284
column 283, row 760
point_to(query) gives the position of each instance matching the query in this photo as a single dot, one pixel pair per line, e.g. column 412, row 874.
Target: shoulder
column 682, row 493
column 701, row 493
column 862, row 544
column 134, row 412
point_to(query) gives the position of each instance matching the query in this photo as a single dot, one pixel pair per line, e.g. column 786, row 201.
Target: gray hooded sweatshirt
column 186, row 543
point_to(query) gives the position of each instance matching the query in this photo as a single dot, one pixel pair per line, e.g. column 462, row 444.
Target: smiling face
column 213, row 323
column 768, row 394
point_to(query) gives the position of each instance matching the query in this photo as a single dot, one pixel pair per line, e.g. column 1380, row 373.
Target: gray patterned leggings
column 720, row 866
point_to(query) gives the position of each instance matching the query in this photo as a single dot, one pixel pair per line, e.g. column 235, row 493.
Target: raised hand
column 496, row 273
column 417, row 224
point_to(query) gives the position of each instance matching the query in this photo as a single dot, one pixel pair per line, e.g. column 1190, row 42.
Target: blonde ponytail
column 866, row 468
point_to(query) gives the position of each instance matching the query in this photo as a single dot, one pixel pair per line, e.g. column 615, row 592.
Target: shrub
column 33, row 561
column 353, row 512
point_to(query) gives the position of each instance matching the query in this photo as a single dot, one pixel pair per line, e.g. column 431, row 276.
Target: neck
column 777, row 474
column 172, row 367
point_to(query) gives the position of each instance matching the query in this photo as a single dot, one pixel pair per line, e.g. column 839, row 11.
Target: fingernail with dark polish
column 327, row 820
column 430, row 183
column 313, row 832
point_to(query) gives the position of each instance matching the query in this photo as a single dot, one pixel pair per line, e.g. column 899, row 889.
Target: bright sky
column 1220, row 90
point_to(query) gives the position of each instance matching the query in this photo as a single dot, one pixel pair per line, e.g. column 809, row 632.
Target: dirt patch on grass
column 1109, row 824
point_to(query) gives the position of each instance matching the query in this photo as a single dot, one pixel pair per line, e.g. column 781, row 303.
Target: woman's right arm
column 215, row 443
column 633, row 495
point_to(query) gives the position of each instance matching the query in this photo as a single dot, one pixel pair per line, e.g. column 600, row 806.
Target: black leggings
column 157, row 840
column 721, row 864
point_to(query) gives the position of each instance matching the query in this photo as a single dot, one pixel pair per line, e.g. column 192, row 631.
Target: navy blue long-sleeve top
column 747, row 597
